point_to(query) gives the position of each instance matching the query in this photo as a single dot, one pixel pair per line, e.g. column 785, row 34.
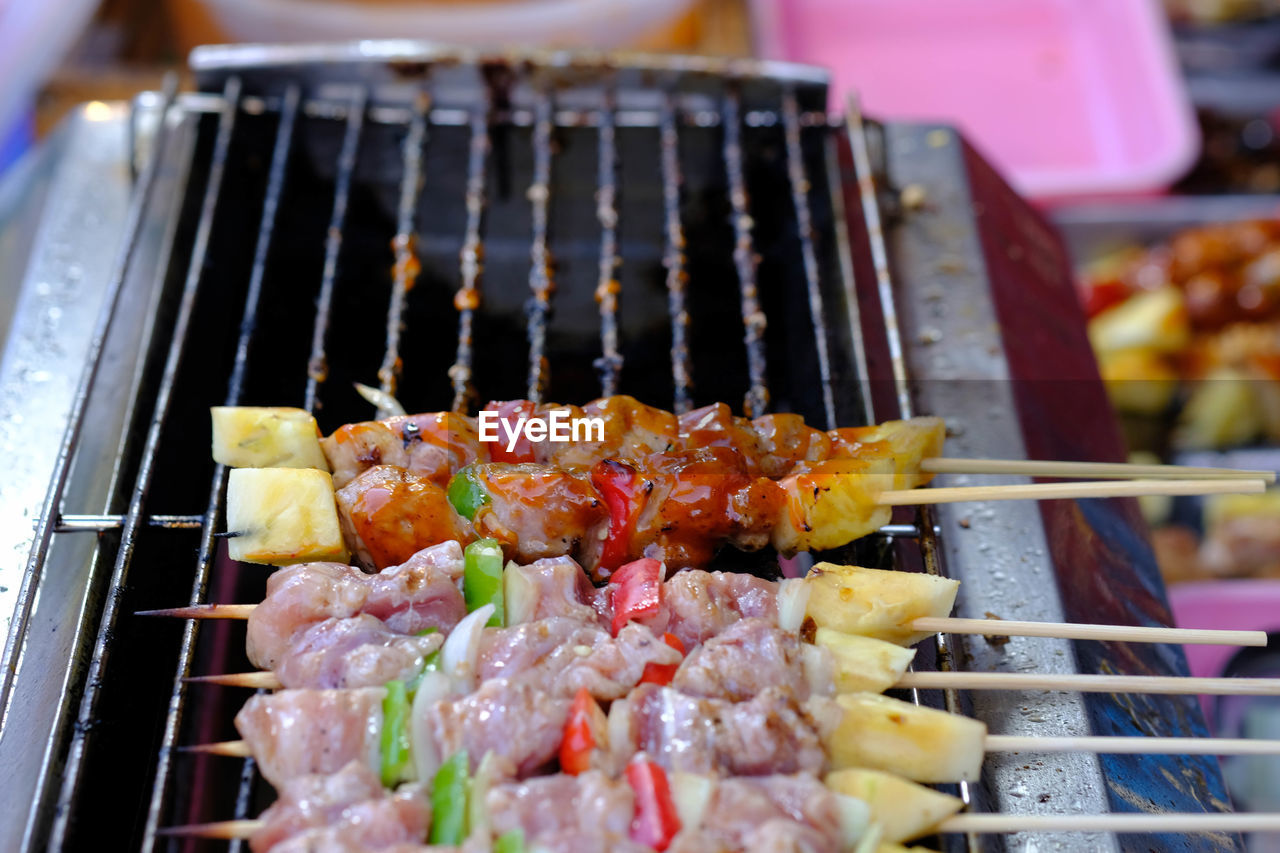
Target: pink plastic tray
column 1068, row 97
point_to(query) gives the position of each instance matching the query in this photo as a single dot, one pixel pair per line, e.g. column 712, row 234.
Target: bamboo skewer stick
column 983, row 824
column 1071, row 682
column 990, row 824
column 1054, row 491
column 203, row 611
column 1082, row 631
column 1117, row 745
column 1088, row 470
column 1089, row 683
column 928, row 624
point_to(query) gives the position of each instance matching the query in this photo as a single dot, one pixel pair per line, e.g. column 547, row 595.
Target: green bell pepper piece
column 511, row 842
column 396, row 757
column 482, row 579
column 466, row 493
column 449, row 800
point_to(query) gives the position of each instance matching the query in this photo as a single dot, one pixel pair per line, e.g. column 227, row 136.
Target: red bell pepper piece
column 662, row 673
column 655, row 820
column 1100, row 294
column 585, row 718
column 621, row 487
column 636, row 592
column 509, row 414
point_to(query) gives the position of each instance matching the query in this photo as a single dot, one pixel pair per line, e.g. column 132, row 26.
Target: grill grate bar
column 799, row 181
column 608, row 288
column 673, row 254
column 317, row 367
column 756, row 401
column 540, row 277
column 467, row 299
column 46, row 524
column 133, row 518
column 235, row 389
column 102, row 523
column 407, row 265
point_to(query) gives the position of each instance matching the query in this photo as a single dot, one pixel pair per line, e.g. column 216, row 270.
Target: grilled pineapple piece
column 876, row 603
column 1223, row 410
column 1155, row 320
column 1138, row 381
column 283, row 516
column 908, row 442
column 922, row 744
column 832, row 504
column 903, row 810
column 863, row 663
column 266, row 437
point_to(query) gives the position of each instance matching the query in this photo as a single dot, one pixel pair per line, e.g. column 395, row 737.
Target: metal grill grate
column 450, row 227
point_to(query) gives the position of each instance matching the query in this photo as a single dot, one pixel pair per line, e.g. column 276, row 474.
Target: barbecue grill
column 455, row 227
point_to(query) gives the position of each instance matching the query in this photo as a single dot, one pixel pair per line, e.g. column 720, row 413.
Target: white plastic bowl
column 544, row 23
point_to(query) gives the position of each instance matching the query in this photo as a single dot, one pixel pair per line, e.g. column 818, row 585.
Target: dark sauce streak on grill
column 541, row 282
column 673, row 255
column 756, row 401
column 467, row 299
column 407, row 266
column 608, row 287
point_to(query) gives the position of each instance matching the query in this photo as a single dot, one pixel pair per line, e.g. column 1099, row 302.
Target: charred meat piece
column 421, row 593
column 430, row 446
column 347, row 809
column 538, row 511
column 390, row 513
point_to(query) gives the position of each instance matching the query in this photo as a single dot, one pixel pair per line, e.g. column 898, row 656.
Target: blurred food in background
column 1188, row 331
column 1219, row 11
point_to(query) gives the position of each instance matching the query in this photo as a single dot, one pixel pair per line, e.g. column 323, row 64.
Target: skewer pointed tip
column 254, row 680
column 224, row 830
column 227, row 748
column 203, row 611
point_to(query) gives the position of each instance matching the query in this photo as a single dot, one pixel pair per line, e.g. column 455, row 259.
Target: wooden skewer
column 1080, row 631
column 204, row 611
column 1089, row 470
column 264, row 680
column 989, row 824
column 1154, row 684
column 1140, row 745
column 223, row 830
column 983, row 824
column 1054, row 491
column 1089, row 683
column 228, row 748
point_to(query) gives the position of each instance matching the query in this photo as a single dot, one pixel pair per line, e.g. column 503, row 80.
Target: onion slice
column 793, row 601
column 855, row 820
column 459, row 655
column 388, row 406
column 433, row 687
column 691, row 793
column 520, row 594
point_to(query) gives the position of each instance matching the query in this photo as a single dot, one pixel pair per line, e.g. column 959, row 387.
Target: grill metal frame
column 382, row 68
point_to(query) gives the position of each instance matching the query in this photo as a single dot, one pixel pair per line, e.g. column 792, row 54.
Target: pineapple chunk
column 1223, row 410
column 283, row 516
column 266, row 437
column 902, row 809
column 1138, row 381
column 922, row 744
column 1154, row 320
column 832, row 504
column 863, row 663
column 877, row 603
column 907, row 442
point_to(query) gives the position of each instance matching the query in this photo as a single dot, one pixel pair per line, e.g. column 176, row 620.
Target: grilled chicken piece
column 697, row 605
column 418, row 594
column 748, row 657
column 770, row 813
column 539, row 511
column 345, row 810
column 588, row 807
column 632, row 431
column 390, row 513
column 358, row 651
column 521, row 725
column 558, row 656
column 301, row 732
column 769, row 734
column 431, row 446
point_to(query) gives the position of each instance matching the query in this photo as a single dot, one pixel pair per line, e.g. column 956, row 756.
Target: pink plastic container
column 1067, row 97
